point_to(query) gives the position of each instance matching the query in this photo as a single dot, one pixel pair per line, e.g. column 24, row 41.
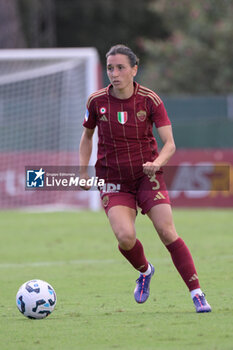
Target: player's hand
column 85, row 177
column 150, row 168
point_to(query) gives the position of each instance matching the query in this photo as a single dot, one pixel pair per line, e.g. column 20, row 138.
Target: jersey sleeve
column 159, row 115
column 90, row 116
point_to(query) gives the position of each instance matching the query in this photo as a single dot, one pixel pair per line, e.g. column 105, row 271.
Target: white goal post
column 43, row 95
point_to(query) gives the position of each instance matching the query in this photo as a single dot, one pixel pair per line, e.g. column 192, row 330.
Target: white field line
column 55, row 263
column 93, row 262
column 73, row 262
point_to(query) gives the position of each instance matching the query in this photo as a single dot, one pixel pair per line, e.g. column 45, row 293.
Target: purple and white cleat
column 201, row 303
column 142, row 290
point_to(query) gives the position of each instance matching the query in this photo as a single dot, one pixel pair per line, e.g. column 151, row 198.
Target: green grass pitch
column 77, row 253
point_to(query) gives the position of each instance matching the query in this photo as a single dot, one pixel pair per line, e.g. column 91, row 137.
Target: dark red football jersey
column 125, row 131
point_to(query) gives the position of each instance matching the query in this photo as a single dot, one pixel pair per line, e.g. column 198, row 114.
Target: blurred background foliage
column 185, row 46
column 197, row 57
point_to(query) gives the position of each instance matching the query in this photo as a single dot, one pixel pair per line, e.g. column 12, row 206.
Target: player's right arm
column 85, row 149
column 85, row 146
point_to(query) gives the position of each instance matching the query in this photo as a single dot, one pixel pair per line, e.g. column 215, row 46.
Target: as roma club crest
column 105, row 201
column 141, row 115
column 122, row 117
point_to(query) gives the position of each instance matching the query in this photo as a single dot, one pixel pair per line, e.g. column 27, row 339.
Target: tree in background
column 11, row 34
column 38, row 21
column 103, row 23
column 185, row 46
column 197, row 57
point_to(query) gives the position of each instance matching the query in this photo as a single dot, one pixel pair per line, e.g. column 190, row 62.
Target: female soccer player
column 129, row 162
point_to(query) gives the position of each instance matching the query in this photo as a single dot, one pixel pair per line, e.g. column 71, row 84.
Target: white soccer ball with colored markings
column 36, row 299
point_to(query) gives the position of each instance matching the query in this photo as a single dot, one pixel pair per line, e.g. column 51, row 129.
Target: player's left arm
column 168, row 149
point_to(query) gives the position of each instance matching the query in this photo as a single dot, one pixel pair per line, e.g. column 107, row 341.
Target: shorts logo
column 105, row 201
column 159, row 195
column 122, row 117
column 35, row 178
column 141, row 115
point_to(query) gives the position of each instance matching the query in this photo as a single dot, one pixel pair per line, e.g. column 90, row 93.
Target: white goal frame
column 93, row 80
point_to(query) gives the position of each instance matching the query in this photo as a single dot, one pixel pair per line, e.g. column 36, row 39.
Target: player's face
column 120, row 72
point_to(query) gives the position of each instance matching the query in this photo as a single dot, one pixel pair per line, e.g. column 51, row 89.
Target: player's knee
column 127, row 243
column 167, row 234
column 126, row 237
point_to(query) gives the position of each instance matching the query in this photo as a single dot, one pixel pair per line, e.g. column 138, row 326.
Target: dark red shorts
column 145, row 193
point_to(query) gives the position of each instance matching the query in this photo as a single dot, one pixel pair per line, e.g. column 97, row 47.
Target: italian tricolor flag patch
column 122, row 117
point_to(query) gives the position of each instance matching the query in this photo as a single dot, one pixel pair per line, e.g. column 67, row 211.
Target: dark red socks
column 183, row 261
column 136, row 256
column 181, row 257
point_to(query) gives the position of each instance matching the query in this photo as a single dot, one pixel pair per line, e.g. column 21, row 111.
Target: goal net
column 43, row 94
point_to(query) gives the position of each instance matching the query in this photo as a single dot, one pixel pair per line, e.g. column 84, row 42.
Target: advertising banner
column 50, row 180
column 201, row 178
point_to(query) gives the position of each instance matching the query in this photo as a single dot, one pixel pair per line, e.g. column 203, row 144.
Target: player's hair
column 124, row 50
